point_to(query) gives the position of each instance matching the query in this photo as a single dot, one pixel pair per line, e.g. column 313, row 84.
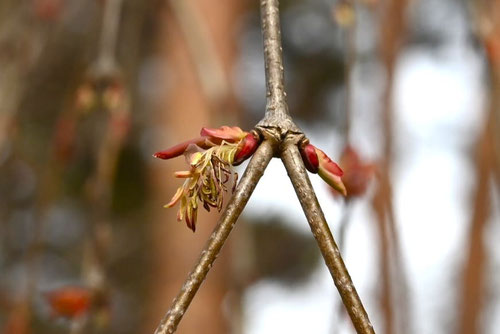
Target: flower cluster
column 316, row 161
column 211, row 158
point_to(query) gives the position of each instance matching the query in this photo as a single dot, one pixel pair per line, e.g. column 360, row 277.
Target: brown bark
column 475, row 265
column 184, row 110
column 392, row 30
column 473, row 292
column 487, row 14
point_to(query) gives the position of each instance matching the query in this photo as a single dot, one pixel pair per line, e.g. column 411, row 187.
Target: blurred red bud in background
column 69, row 301
column 357, row 173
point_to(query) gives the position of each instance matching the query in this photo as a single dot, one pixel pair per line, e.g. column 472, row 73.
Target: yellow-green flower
column 211, row 158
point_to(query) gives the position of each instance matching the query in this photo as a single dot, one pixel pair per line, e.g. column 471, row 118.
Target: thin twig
column 345, row 222
column 277, row 121
column 277, row 115
column 319, row 227
column 252, row 175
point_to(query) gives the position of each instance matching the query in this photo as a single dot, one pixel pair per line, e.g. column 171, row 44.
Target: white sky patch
column 272, row 308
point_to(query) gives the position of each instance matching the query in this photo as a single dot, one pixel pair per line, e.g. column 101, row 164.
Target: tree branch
column 277, row 115
column 319, row 227
column 252, row 175
column 279, row 130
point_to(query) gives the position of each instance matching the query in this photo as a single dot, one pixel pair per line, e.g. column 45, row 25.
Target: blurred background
column 405, row 95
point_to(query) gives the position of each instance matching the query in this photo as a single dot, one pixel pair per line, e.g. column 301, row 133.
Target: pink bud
column 316, row 161
column 310, row 158
column 330, row 172
column 246, row 148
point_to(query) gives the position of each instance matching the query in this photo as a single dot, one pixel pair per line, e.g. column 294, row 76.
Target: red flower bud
column 316, row 161
column 246, row 148
column 330, row 172
column 310, row 158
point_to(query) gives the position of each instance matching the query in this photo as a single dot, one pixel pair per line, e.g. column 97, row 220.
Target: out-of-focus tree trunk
column 475, row 265
column 394, row 295
column 186, row 108
column 473, row 302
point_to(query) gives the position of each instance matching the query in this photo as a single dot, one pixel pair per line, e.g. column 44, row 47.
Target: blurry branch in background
column 281, row 137
column 344, row 14
column 19, row 43
column 106, row 64
column 111, row 97
column 487, row 24
column 392, row 22
column 103, row 90
column 486, row 16
column 99, row 195
column 204, row 56
column 22, row 40
column 474, row 274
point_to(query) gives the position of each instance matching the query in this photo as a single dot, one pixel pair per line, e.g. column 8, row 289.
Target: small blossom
column 69, row 301
column 211, row 158
column 316, row 161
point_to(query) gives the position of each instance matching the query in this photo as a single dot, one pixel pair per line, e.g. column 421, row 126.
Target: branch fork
column 282, row 138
